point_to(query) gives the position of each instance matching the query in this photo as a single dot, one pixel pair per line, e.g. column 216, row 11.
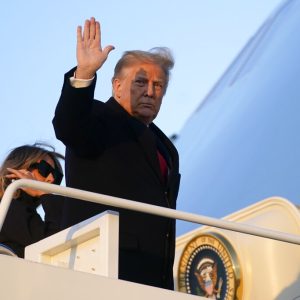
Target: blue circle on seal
column 206, row 274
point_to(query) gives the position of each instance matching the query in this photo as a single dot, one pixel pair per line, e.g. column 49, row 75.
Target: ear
column 117, row 88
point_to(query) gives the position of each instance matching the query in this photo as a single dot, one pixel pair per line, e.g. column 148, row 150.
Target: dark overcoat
column 110, row 152
column 24, row 226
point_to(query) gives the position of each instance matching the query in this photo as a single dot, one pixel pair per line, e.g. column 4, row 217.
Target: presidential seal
column 208, row 267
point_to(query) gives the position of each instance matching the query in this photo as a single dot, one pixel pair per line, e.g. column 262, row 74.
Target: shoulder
column 111, row 108
column 165, row 140
column 160, row 134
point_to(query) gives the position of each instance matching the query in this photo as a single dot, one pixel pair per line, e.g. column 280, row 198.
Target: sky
column 38, row 41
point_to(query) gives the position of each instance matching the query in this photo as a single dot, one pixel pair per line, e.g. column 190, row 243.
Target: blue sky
column 38, row 40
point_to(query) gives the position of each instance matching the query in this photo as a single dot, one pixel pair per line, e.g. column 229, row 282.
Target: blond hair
column 23, row 157
column 160, row 56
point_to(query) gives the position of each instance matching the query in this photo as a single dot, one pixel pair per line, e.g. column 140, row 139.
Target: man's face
column 139, row 89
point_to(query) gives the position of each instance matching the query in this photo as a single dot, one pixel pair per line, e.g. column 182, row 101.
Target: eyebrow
column 145, row 78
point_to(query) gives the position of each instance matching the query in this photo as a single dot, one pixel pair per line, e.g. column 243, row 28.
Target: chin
column 145, row 117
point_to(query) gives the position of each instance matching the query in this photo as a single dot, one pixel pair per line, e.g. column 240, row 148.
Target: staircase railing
column 141, row 207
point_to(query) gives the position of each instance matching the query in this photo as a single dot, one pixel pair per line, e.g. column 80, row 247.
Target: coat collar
column 144, row 135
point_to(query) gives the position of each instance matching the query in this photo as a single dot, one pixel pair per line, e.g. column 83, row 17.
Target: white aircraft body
column 242, row 144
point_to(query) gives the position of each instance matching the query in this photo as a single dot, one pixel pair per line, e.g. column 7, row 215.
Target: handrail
column 141, row 207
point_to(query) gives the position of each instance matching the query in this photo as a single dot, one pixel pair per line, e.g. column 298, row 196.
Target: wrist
column 83, row 73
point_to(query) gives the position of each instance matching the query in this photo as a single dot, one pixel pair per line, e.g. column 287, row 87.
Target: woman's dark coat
column 24, row 226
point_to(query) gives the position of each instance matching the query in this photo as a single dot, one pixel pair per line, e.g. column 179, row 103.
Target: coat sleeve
column 76, row 122
column 53, row 207
column 23, row 225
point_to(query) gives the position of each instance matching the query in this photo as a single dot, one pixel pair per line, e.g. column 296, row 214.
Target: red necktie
column 163, row 166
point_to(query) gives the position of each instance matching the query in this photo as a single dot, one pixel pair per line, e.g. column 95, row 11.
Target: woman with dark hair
column 23, row 225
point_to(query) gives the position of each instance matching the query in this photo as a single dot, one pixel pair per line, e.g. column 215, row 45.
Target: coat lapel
column 142, row 134
column 147, row 142
column 171, row 155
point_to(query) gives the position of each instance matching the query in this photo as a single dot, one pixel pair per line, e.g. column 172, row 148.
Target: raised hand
column 90, row 55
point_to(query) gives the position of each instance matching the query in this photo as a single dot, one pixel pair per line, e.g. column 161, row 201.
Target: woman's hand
column 24, row 174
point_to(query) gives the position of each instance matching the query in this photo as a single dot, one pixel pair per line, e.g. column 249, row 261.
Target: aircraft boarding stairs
column 81, row 262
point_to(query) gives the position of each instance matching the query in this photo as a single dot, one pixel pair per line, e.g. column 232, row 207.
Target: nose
column 50, row 178
column 150, row 89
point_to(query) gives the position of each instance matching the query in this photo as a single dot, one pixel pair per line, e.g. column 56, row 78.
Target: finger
column 28, row 175
column 11, row 176
column 79, row 35
column 98, row 35
column 14, row 174
column 86, row 31
column 23, row 173
column 92, row 28
column 107, row 49
column 13, row 171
